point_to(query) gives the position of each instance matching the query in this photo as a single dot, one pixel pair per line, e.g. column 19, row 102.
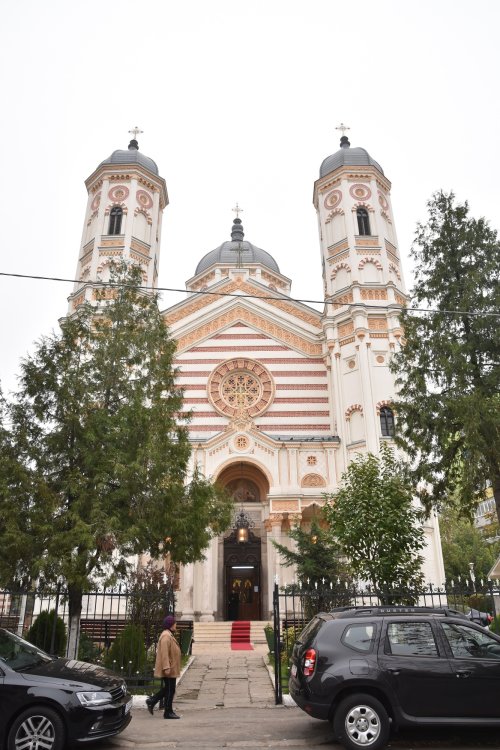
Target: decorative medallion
column 333, row 199
column 380, row 359
column 241, row 443
column 95, row 203
column 144, row 199
column 360, row 192
column 118, row 193
column 383, row 201
column 240, row 388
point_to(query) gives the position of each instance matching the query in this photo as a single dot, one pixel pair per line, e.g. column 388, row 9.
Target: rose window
column 240, row 388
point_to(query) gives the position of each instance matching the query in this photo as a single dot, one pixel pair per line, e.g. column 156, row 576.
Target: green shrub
column 87, row 650
column 40, row 633
column 127, row 655
column 495, row 625
column 288, row 639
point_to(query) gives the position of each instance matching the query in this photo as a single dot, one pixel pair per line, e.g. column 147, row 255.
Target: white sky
column 238, row 102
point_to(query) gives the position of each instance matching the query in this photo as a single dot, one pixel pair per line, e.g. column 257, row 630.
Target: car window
column 410, row 639
column 468, row 643
column 359, row 637
column 18, row 654
column 310, row 630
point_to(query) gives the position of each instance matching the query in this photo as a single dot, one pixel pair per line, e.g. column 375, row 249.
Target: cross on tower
column 237, row 210
column 342, row 128
column 135, row 132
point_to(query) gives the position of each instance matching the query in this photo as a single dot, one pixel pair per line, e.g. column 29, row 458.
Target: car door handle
column 394, row 671
column 463, row 673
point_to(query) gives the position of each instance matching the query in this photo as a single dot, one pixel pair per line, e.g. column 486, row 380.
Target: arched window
column 387, row 421
column 363, row 221
column 115, row 220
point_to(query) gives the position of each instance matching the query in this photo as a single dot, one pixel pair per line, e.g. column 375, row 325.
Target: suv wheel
column 361, row 721
column 37, row 727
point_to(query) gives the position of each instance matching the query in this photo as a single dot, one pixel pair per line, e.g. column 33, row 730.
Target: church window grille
column 312, row 460
column 387, row 421
column 363, row 221
column 115, row 220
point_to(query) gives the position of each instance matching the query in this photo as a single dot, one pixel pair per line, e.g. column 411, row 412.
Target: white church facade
column 282, row 396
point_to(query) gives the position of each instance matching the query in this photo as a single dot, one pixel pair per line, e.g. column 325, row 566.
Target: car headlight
column 94, row 698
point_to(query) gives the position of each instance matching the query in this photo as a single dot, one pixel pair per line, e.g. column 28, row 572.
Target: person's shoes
column 149, row 705
column 171, row 715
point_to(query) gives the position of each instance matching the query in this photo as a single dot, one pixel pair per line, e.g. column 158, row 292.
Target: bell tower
column 123, row 218
column 364, row 289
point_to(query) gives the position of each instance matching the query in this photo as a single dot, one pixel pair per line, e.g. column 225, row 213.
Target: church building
column 282, row 396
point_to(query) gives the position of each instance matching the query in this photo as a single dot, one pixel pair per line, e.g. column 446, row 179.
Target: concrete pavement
column 226, row 700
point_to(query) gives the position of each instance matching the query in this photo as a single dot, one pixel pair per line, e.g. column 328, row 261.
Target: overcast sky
column 238, row 101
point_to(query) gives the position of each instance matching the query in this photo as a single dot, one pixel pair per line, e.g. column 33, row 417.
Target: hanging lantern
column 242, row 524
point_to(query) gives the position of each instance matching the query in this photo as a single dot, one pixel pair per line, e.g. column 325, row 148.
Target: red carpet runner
column 240, row 636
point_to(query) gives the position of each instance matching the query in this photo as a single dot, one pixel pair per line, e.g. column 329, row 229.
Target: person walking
column 168, row 667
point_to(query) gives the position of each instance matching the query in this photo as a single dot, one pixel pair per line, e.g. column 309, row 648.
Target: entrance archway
column 242, row 564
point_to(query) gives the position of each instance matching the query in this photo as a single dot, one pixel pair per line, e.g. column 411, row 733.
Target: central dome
column 131, row 156
column 347, row 156
column 238, row 252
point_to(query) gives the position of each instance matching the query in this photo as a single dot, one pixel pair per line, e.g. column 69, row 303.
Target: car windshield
column 18, row 654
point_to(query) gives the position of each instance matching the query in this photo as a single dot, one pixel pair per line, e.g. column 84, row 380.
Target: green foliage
column 97, row 455
column 317, row 554
column 375, row 522
column 149, row 589
column 448, row 404
column 40, row 633
column 87, row 650
column 495, row 625
column 288, row 638
column 127, row 654
column 463, row 543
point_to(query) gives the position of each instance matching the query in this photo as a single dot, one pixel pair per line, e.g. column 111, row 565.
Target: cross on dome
column 237, row 210
column 342, row 128
column 135, row 132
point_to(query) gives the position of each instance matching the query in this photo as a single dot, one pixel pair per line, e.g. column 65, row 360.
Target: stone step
column 220, row 632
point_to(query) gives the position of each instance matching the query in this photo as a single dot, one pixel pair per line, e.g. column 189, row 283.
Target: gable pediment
column 191, row 306
column 240, row 313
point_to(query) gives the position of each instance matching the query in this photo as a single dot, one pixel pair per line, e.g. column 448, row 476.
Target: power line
column 392, row 306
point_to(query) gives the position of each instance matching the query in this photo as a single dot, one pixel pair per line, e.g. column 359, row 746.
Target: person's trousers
column 166, row 692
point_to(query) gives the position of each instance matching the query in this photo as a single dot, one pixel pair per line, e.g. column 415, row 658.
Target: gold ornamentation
column 346, row 328
column 377, row 324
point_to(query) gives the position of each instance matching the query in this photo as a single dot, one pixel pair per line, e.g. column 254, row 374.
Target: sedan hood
column 75, row 672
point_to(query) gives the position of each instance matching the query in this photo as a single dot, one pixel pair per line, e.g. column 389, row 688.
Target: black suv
column 372, row 669
column 46, row 702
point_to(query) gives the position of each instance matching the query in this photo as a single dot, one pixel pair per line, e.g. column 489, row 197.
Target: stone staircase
column 220, row 632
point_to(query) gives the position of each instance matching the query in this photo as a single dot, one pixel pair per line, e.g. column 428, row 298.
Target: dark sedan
column 47, row 702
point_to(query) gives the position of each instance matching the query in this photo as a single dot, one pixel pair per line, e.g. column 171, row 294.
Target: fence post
column 278, row 692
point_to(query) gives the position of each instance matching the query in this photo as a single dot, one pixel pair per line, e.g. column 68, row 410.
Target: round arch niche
column 245, row 482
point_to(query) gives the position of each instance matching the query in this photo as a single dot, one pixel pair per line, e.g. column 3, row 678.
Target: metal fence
column 119, row 627
column 295, row 605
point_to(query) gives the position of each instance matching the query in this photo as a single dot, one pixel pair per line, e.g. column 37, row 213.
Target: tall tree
column 102, row 452
column 463, row 543
column 448, row 403
column 376, row 523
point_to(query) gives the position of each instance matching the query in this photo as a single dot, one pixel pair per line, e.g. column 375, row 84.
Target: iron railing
column 294, row 605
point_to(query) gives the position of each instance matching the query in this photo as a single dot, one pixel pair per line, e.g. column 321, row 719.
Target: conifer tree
column 448, row 371
column 101, row 452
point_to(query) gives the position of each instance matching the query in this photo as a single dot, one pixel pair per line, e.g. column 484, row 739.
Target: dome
column 131, row 156
column 237, row 251
column 347, row 156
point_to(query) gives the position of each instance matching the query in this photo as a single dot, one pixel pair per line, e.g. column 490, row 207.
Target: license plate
column 128, row 706
column 294, row 670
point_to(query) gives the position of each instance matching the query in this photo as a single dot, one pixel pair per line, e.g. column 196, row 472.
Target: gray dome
column 236, row 251
column 131, row 156
column 347, row 156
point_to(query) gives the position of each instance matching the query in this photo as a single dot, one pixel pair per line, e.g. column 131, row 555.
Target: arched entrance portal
column 242, row 566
